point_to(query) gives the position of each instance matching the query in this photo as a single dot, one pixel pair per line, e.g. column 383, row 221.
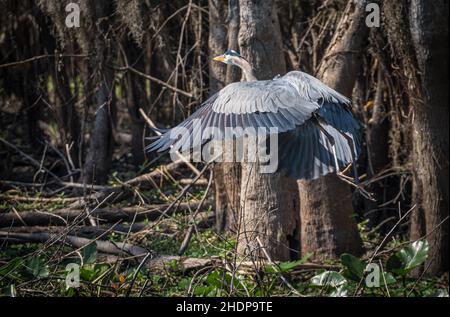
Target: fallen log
column 154, row 262
column 205, row 221
column 115, row 194
column 155, row 174
column 110, row 214
column 38, row 199
column 118, row 248
column 188, row 181
column 186, row 264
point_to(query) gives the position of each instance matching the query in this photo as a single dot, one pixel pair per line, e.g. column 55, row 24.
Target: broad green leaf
column 328, row 278
column 37, row 267
column 89, row 253
column 408, row 258
column 353, row 267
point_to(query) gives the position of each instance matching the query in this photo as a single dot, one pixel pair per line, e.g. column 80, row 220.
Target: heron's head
column 230, row 57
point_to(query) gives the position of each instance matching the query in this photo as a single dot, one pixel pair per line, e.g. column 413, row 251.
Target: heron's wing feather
column 305, row 153
column 217, row 125
column 280, row 105
column 295, row 90
column 342, row 119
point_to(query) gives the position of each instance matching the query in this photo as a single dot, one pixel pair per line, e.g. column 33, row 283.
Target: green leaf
column 388, row 278
column 340, row 291
column 89, row 253
column 10, row 266
column 353, row 267
column 288, row 266
column 173, row 265
column 283, row 266
column 87, row 273
column 328, row 278
column 37, row 267
column 214, row 279
column 408, row 258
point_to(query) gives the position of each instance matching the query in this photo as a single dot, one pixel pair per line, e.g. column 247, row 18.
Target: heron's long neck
column 247, row 69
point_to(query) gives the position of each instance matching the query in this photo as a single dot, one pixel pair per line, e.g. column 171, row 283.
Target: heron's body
column 308, row 115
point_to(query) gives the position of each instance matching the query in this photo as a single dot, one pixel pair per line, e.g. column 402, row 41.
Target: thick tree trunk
column 226, row 174
column 269, row 203
column 429, row 30
column 417, row 33
column 327, row 226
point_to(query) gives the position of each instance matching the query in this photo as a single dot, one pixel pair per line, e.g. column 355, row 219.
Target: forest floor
column 150, row 232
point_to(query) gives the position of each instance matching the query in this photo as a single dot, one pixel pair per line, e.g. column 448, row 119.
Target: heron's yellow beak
column 219, row 58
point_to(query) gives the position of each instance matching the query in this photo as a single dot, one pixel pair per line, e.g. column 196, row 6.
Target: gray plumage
column 289, row 104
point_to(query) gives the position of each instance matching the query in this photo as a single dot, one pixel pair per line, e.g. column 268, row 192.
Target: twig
column 177, row 153
column 137, row 272
column 156, row 80
column 29, row 158
column 187, row 238
column 382, row 244
column 185, row 189
column 36, row 58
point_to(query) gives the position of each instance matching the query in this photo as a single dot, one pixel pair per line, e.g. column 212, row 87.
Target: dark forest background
column 76, row 106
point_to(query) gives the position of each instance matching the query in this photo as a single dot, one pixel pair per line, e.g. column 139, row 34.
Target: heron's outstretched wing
column 284, row 105
column 277, row 105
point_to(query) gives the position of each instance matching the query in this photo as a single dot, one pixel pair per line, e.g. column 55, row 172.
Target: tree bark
column 269, row 202
column 136, row 98
column 226, row 174
column 327, row 226
column 100, row 150
column 430, row 157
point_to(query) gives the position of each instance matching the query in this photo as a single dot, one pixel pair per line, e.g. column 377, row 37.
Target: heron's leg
column 351, row 144
column 332, row 142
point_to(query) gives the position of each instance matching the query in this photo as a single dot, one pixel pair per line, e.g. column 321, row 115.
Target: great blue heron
column 318, row 132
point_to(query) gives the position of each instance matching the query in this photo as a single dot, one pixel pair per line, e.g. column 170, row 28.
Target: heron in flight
column 317, row 131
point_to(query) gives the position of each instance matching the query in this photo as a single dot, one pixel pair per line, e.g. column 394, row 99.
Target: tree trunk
column 66, row 113
column 429, row 30
column 327, row 226
column 100, row 150
column 417, row 33
column 269, row 203
column 226, row 174
column 135, row 98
